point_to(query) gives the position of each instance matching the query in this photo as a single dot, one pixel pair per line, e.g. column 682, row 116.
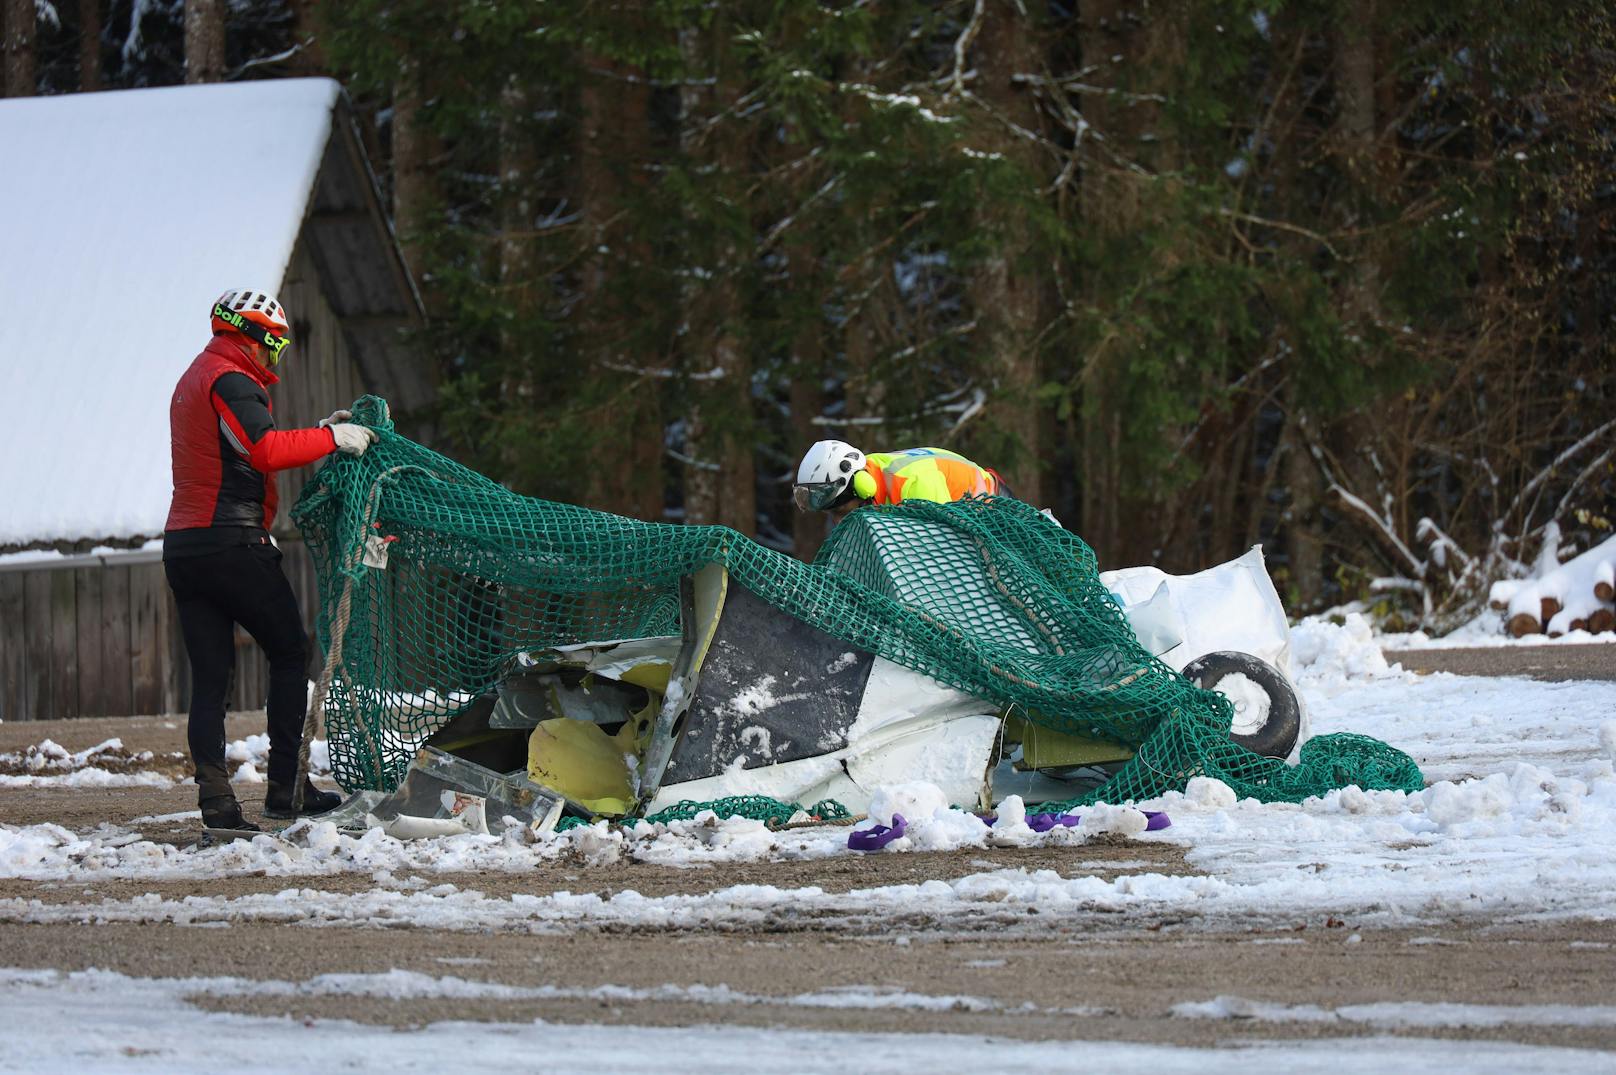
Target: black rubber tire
column 1277, row 736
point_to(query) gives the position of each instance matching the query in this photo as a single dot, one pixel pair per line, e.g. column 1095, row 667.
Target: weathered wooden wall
column 100, row 636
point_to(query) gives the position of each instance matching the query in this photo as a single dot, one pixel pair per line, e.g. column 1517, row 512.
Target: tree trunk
column 413, row 148
column 721, row 479
column 807, row 369
column 613, row 146
column 1118, row 39
column 204, row 41
column 19, row 27
column 862, row 383
column 1100, row 37
column 1007, row 287
column 89, row 45
column 721, row 476
column 310, row 58
column 1352, row 437
column 519, row 286
column 518, row 164
column 1303, row 547
column 808, row 528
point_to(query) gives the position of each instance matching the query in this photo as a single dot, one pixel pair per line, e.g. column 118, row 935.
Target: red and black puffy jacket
column 226, row 451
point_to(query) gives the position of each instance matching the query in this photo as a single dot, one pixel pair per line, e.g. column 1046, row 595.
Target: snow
column 50, row 765
column 150, row 1024
column 1486, row 631
column 155, row 201
column 1571, row 585
column 1327, row 652
column 89, row 777
column 100, row 555
column 252, row 754
column 412, row 985
column 1514, row 825
column 1404, row 1014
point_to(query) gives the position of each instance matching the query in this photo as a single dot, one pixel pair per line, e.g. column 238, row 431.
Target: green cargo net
column 440, row 579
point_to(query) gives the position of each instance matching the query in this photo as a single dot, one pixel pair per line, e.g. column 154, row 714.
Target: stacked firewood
column 1578, row 595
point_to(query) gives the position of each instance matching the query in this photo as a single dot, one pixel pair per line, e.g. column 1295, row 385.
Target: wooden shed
column 133, row 211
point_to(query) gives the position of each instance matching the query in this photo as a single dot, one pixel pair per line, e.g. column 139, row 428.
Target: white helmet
column 825, row 474
column 256, row 315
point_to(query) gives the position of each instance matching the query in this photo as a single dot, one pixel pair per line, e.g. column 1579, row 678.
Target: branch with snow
column 1382, row 527
column 962, row 45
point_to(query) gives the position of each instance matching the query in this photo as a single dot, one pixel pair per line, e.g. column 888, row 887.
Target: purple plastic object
column 1154, row 821
column 874, row 839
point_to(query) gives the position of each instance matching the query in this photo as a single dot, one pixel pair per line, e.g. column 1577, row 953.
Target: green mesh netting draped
column 985, row 595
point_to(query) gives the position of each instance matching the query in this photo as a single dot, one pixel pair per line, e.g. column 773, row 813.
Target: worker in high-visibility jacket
column 834, row 473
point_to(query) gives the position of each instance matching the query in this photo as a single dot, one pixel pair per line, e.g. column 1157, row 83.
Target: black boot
column 223, row 812
column 278, row 801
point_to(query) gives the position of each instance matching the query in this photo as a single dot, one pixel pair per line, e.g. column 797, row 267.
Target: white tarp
column 123, row 216
column 1232, row 606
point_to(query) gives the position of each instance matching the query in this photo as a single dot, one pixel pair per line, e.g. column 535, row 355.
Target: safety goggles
column 817, row 496
column 253, row 331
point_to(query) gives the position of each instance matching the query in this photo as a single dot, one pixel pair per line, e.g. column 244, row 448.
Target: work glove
column 335, row 417
column 351, row 438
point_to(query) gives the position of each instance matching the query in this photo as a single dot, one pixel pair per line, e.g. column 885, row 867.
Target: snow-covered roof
column 123, row 216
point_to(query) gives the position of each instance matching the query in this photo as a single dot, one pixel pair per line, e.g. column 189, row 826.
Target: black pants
column 243, row 584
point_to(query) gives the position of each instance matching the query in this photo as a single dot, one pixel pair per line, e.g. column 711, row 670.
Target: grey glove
column 351, row 438
column 333, row 418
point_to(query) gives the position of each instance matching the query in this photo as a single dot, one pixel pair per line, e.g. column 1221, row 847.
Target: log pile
column 1578, row 595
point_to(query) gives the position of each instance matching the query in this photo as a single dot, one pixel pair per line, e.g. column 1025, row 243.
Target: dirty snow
column 47, row 764
column 1403, row 1014
column 105, row 765
column 149, row 1024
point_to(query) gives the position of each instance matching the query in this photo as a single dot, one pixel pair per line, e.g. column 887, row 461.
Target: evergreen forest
column 1332, row 276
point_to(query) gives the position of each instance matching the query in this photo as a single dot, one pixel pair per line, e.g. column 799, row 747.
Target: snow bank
column 1326, row 655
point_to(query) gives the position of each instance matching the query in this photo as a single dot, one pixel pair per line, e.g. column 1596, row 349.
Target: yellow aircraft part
column 653, row 676
column 575, row 758
column 1043, row 748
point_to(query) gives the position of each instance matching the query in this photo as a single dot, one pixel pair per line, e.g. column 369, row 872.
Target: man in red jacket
column 217, row 554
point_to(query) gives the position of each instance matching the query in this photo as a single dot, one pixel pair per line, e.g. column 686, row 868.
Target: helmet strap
column 253, row 331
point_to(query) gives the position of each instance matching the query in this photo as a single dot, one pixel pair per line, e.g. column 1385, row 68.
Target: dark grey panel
column 772, row 689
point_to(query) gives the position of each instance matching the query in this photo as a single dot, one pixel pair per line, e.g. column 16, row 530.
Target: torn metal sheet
column 443, row 795
column 772, row 689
